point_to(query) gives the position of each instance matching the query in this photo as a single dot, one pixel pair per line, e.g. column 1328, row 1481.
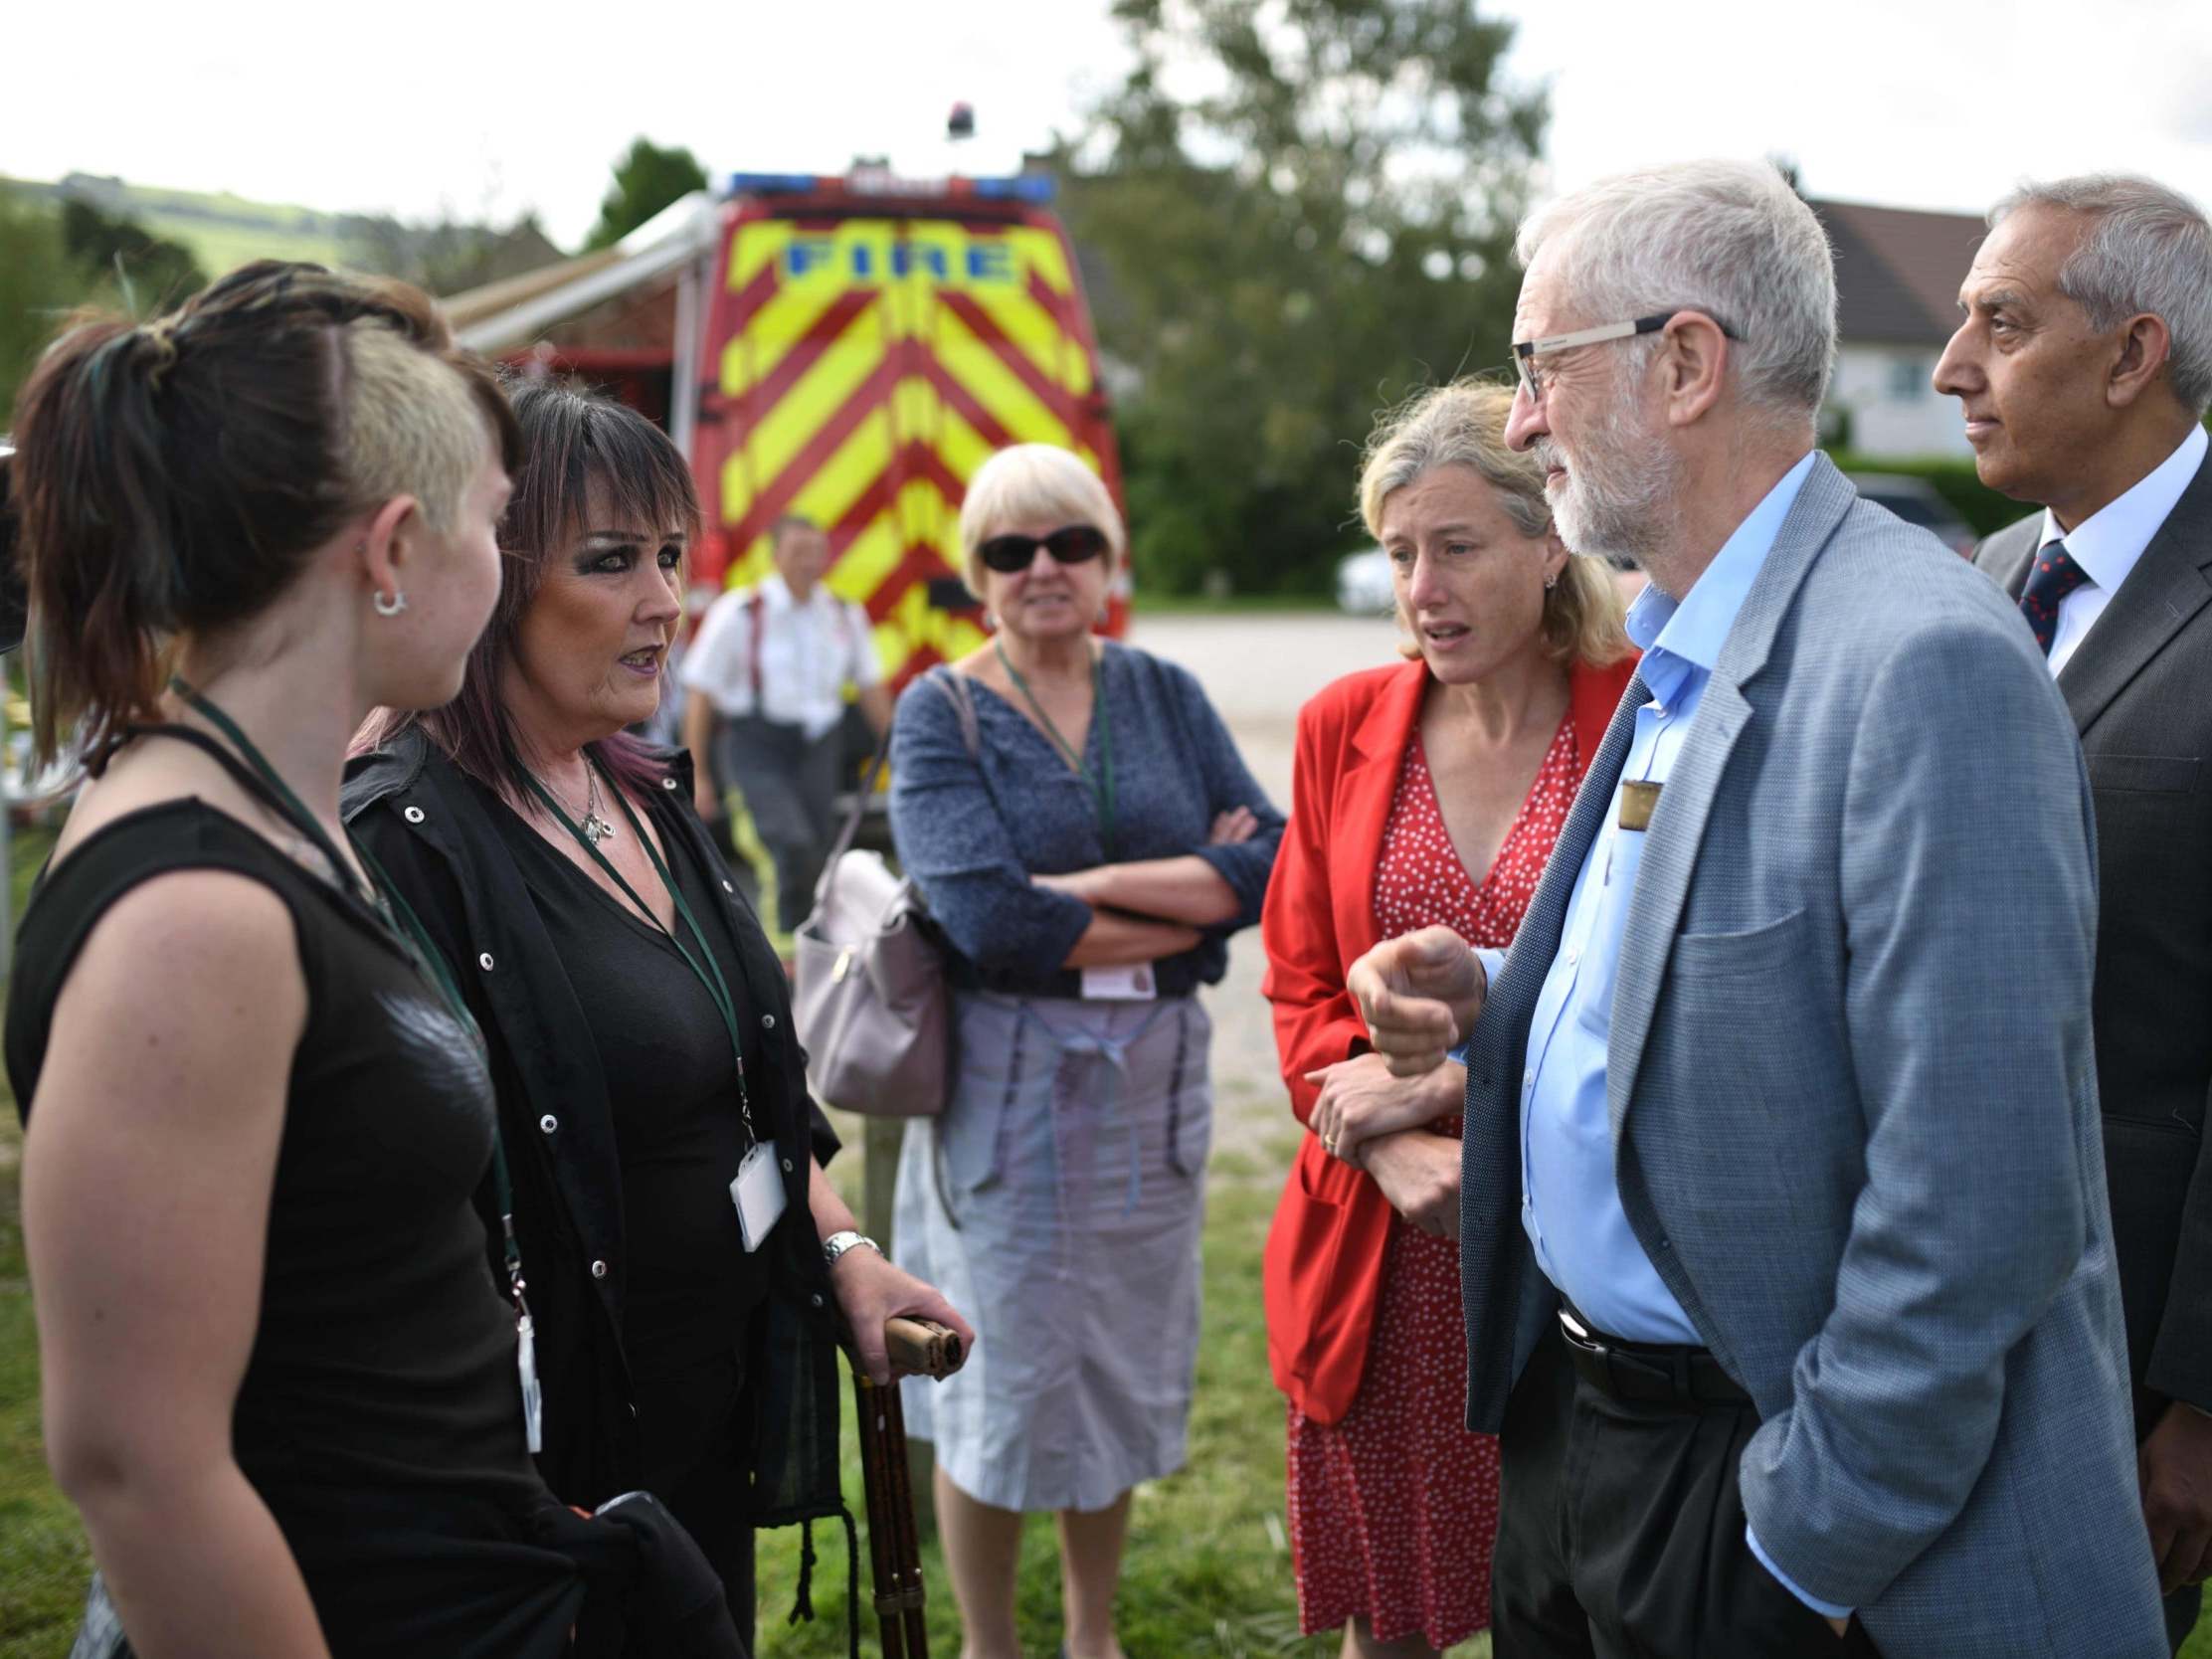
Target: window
column 1909, row 379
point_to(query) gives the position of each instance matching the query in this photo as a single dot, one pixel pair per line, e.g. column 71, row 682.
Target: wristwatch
column 837, row 1243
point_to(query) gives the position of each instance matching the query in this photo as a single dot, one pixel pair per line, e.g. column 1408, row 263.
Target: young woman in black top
column 638, row 1023
column 280, row 1384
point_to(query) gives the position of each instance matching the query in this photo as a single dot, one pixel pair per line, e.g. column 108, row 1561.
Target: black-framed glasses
column 1071, row 544
column 1525, row 352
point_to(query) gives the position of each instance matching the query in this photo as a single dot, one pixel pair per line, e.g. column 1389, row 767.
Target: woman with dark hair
column 639, row 1026
column 293, row 1410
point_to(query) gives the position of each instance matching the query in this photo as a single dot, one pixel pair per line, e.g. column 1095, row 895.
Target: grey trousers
column 790, row 786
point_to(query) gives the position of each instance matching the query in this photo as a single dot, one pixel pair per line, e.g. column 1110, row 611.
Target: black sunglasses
column 1071, row 544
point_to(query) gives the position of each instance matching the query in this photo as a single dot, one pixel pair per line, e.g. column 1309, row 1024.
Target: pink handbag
column 869, row 981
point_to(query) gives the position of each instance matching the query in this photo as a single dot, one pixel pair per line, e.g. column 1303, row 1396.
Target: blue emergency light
column 1033, row 188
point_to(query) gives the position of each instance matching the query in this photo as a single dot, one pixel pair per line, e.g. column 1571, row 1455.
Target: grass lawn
column 1209, row 1561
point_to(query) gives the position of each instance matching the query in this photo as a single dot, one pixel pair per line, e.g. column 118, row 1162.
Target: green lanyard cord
column 406, row 929
column 703, row 967
column 1102, row 792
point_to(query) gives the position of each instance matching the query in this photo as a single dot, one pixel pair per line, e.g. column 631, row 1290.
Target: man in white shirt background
column 766, row 682
column 2084, row 368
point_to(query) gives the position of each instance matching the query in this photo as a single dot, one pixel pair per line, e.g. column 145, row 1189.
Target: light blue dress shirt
column 1570, row 1202
column 1569, row 1196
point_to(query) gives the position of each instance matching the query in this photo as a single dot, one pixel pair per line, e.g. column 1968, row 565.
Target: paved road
column 1258, row 671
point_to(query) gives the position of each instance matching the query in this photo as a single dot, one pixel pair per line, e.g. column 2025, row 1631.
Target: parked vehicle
column 1364, row 583
column 1917, row 501
column 847, row 348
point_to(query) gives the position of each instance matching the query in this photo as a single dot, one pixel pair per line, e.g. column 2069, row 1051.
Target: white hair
column 1726, row 238
column 2147, row 249
column 1039, row 483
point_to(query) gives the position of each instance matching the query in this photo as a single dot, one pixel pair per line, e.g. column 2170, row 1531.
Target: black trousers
column 690, row 1459
column 790, row 786
column 1621, row 1532
column 2182, row 1608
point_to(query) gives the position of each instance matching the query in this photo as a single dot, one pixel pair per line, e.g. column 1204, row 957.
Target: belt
column 1650, row 1372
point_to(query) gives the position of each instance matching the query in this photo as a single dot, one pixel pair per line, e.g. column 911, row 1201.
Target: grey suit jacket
column 2139, row 690
column 1853, row 1109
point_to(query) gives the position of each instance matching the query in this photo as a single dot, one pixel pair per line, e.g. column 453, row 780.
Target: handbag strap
column 963, row 705
column 971, row 735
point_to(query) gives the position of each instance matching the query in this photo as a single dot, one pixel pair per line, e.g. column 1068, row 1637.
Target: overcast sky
column 475, row 110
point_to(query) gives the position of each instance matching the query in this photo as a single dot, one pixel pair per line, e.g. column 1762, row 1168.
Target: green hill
column 222, row 230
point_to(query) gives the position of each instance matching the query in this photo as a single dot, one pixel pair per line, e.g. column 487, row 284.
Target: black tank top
column 380, row 1414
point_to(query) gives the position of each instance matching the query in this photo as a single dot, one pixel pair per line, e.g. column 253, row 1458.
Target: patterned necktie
column 2055, row 576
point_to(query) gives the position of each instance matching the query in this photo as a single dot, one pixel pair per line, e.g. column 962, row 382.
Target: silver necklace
column 593, row 829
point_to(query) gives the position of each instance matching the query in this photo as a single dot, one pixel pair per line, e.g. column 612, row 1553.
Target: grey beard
column 1620, row 503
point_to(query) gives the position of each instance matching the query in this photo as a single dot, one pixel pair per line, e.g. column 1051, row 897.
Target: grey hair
column 1726, row 238
column 2147, row 249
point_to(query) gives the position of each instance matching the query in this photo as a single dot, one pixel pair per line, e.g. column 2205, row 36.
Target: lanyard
column 1102, row 792
column 703, row 966
column 406, row 928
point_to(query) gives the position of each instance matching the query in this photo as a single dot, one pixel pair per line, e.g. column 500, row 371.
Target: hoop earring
column 389, row 606
column 1551, row 582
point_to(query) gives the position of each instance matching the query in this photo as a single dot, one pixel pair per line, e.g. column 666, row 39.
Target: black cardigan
column 429, row 827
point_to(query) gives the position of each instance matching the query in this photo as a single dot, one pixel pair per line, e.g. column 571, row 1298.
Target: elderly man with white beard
column 1784, row 1244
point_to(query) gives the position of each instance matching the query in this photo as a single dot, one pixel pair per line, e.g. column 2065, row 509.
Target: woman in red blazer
column 1428, row 792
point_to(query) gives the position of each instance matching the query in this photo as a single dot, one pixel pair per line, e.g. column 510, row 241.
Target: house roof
column 501, row 316
column 464, row 311
column 1897, row 270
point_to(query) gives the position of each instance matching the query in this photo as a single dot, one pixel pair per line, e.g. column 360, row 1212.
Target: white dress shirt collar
column 2108, row 543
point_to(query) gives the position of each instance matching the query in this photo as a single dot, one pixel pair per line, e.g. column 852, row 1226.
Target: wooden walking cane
column 894, row 1548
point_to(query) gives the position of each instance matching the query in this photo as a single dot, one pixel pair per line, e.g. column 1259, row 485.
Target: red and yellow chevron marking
column 863, row 369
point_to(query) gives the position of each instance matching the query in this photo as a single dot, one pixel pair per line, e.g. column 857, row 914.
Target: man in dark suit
column 2083, row 367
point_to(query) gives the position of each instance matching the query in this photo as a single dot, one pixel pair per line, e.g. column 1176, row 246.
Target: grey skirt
column 1058, row 1202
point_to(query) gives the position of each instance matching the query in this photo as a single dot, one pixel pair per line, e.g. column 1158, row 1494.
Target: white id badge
column 758, row 1192
column 533, row 1398
column 1134, row 984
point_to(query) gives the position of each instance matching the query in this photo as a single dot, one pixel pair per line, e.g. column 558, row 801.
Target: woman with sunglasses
column 1087, row 839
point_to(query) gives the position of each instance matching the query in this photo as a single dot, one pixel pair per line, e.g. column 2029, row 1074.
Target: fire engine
column 847, row 348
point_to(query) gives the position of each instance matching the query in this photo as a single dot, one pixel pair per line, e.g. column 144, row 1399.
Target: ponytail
column 92, row 485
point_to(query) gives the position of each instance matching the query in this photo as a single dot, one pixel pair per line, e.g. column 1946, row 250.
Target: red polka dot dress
column 1394, row 1510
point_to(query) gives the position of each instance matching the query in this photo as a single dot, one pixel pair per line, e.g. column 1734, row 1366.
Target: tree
column 646, row 180
column 446, row 257
column 38, row 286
column 149, row 273
column 1302, row 211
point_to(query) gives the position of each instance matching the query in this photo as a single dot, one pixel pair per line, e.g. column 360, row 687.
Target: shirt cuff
column 1826, row 1609
column 1493, row 964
